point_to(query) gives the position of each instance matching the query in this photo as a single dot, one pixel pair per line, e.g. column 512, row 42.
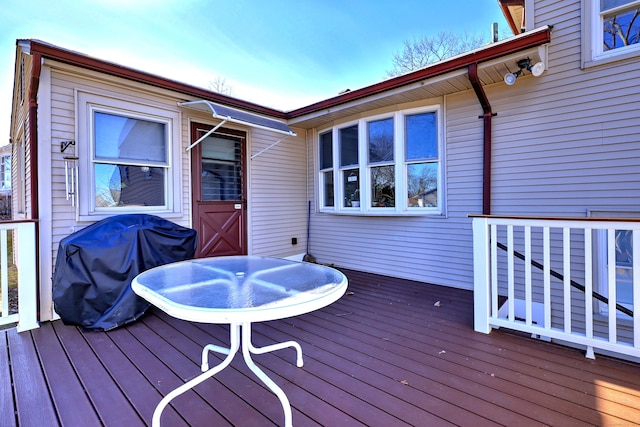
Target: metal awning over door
column 228, row 114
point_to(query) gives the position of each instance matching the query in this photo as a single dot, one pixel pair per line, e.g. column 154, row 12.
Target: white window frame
column 88, row 103
column 400, row 164
column 592, row 36
column 19, row 192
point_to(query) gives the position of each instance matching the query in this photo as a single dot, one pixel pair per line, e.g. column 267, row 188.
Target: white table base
column 247, row 350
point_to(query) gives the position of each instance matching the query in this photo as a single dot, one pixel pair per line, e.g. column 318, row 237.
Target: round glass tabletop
column 239, row 289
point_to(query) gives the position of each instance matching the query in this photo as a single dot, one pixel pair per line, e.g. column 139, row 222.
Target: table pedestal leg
column 247, row 350
column 234, row 346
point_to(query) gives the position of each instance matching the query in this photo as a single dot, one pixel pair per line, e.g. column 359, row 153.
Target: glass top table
column 239, row 290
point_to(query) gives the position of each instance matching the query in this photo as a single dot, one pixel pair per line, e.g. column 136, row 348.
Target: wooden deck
column 391, row 352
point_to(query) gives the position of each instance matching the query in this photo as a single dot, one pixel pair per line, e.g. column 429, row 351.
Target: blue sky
column 278, row 53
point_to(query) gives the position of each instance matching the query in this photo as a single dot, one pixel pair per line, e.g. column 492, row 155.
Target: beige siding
column 62, row 121
column 427, row 248
column 277, row 187
column 277, row 194
column 567, row 141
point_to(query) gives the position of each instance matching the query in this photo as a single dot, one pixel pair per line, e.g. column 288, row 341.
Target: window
column 129, row 161
column 20, row 193
column 126, row 166
column 5, row 172
column 624, row 267
column 618, row 267
column 620, row 270
column 613, row 28
column 385, row 165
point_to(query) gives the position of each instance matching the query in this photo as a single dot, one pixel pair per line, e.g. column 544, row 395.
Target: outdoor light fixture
column 524, row 64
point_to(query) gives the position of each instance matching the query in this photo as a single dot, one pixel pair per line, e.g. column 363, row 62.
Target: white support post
column 27, row 279
column 566, row 271
column 481, row 294
column 611, row 276
column 636, row 288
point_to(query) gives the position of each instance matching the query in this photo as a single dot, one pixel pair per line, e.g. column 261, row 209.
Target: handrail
column 559, row 276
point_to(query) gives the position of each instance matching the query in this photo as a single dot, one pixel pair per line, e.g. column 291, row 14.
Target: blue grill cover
column 95, row 267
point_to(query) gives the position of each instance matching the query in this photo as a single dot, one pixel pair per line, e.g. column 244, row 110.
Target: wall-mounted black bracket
column 65, row 144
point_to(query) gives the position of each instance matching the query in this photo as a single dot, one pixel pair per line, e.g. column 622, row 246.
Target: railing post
column 481, row 279
column 27, row 295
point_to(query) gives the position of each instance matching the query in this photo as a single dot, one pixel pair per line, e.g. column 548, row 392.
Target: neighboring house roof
column 438, row 79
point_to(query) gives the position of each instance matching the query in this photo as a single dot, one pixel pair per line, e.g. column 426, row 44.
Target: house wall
column 568, row 142
column 563, row 144
column 21, row 144
column 277, row 177
column 278, row 194
column 434, row 249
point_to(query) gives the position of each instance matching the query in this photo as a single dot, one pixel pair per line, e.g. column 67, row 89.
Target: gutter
column 49, row 51
column 515, row 44
column 486, row 116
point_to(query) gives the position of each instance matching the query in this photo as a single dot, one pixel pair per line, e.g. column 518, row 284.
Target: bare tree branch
column 420, row 52
column 219, row 85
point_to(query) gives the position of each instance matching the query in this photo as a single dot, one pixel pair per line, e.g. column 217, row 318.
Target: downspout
column 33, row 131
column 487, row 114
column 34, row 84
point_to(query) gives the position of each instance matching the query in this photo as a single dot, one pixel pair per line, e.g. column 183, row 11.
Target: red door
column 219, row 203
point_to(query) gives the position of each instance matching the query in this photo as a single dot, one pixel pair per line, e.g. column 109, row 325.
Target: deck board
column 102, row 389
column 391, row 352
column 33, row 404
column 73, row 405
column 6, row 396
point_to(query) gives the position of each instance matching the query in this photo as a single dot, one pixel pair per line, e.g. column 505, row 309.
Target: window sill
column 103, row 215
column 385, row 213
column 611, row 58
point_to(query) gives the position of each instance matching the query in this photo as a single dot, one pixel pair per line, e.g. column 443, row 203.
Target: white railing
column 550, row 277
column 22, row 247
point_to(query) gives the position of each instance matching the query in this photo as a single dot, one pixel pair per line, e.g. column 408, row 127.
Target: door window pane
column 422, row 137
column 349, row 146
column 380, row 138
column 221, row 169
